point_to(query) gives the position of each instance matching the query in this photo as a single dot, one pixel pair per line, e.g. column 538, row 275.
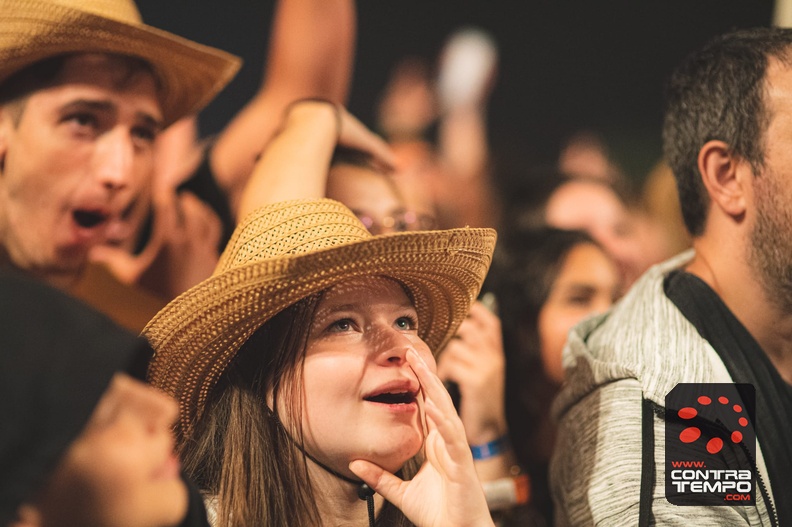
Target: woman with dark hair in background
column 545, row 280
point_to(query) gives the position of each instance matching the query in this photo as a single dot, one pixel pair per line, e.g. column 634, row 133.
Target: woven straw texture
column 287, row 251
column 190, row 74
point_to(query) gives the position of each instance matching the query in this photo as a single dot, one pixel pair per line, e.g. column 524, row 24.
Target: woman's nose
column 391, row 347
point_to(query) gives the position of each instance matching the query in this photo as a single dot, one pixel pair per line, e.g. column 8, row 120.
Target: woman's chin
column 393, row 459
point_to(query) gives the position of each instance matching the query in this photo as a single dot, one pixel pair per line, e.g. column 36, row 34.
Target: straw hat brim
column 198, row 334
column 190, row 74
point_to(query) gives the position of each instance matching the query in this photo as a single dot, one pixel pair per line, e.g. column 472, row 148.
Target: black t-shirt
column 196, row 512
column 746, row 363
column 204, row 185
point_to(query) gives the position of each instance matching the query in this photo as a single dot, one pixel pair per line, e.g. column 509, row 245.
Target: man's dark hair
column 42, row 74
column 717, row 94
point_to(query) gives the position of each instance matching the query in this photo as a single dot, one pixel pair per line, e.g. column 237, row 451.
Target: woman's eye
column 339, row 326
column 581, row 301
column 406, row 323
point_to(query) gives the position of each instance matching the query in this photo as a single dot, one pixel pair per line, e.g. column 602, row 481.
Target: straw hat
column 190, row 74
column 287, row 251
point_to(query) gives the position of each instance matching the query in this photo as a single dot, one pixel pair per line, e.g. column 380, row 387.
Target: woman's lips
column 397, row 407
column 395, row 399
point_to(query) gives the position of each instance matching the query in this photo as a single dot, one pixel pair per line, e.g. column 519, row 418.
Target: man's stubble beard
column 770, row 247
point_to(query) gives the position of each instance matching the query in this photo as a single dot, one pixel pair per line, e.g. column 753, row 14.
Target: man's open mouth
column 89, row 219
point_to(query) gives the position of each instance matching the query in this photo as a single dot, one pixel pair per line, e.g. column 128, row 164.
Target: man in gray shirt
column 717, row 316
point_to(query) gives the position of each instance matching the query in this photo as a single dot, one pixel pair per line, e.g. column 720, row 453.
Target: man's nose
column 113, row 160
column 159, row 410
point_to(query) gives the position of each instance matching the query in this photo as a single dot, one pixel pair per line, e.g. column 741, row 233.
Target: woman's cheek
column 425, row 353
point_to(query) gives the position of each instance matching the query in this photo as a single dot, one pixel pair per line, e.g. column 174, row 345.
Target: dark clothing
column 746, row 363
column 57, row 358
column 204, row 185
column 196, row 511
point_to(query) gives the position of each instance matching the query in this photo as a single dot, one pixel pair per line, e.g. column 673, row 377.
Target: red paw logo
column 710, row 444
column 714, row 444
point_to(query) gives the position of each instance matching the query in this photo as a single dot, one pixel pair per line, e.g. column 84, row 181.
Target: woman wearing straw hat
column 304, row 366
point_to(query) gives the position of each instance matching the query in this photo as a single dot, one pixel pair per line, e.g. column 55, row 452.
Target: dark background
column 564, row 64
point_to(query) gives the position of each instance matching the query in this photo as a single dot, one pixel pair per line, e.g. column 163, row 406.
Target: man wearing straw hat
column 85, row 87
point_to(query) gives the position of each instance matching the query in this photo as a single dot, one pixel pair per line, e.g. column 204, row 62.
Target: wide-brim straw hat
column 288, row 251
column 190, row 74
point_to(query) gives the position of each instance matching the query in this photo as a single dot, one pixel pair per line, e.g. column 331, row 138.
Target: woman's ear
column 724, row 175
column 27, row 516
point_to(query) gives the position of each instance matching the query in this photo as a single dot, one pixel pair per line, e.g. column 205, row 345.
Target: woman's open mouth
column 392, row 398
column 395, row 401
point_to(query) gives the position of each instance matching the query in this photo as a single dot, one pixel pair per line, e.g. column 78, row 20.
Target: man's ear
column 27, row 516
column 724, row 175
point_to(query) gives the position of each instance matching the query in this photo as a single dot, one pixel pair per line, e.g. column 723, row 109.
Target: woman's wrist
column 496, row 447
column 308, row 108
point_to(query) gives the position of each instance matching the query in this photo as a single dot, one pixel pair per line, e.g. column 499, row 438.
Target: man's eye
column 579, row 300
column 144, row 134
column 82, row 119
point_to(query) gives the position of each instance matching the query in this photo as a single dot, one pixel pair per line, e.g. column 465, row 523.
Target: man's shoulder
column 640, row 323
column 643, row 337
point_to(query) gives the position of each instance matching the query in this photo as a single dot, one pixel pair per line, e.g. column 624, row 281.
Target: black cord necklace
column 364, row 492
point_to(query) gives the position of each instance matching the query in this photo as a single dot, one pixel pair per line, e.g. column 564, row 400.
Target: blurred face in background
column 595, row 208
column 370, row 195
column 122, row 470
column 587, row 283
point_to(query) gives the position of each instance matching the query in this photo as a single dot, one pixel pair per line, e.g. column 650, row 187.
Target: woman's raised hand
column 446, row 491
column 295, row 163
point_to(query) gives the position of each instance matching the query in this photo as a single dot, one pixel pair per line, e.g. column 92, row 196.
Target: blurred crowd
column 211, row 248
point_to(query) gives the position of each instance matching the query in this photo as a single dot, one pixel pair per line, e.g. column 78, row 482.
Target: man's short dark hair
column 44, row 73
column 717, row 94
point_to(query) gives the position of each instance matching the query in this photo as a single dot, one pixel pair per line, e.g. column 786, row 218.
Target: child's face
column 121, row 471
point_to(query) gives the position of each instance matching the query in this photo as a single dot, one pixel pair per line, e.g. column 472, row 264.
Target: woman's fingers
column 383, row 482
column 450, row 429
column 439, row 408
column 354, row 134
column 430, row 383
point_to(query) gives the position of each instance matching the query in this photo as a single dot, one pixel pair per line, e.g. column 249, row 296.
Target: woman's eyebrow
column 329, row 310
